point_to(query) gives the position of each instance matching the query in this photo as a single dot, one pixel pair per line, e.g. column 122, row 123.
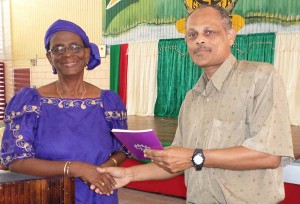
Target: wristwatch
column 198, row 159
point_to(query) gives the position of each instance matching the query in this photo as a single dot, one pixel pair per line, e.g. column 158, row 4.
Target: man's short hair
column 224, row 14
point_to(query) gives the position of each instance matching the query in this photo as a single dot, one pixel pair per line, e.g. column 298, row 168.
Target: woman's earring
column 54, row 70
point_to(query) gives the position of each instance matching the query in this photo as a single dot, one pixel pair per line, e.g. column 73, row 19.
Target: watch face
column 198, row 159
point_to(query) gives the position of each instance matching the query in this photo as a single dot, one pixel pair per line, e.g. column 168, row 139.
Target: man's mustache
column 201, row 48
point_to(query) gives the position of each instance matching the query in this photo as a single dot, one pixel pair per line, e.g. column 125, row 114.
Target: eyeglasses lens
column 62, row 49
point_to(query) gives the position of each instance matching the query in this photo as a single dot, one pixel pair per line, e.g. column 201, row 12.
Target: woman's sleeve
column 116, row 115
column 20, row 119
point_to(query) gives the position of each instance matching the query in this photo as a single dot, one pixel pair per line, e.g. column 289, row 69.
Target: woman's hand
column 88, row 174
column 121, row 176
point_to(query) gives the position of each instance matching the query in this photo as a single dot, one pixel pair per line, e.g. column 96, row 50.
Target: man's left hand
column 173, row 159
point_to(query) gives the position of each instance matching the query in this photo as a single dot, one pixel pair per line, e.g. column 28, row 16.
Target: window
column 21, row 78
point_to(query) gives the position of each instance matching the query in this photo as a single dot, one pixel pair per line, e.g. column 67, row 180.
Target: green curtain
column 114, row 67
column 176, row 75
column 255, row 47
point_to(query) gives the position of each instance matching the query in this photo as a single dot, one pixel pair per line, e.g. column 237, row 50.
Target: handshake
column 167, row 163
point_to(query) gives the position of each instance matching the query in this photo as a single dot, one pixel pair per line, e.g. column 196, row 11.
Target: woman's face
column 67, row 53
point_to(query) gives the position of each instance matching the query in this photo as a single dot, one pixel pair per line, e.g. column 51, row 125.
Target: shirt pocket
column 224, row 134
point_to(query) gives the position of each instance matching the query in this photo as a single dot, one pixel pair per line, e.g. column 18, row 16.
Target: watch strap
column 198, row 167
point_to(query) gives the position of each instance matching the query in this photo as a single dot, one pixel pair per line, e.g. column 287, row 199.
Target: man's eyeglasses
column 62, row 49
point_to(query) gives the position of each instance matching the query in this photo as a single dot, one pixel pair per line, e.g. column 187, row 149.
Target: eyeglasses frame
column 67, row 48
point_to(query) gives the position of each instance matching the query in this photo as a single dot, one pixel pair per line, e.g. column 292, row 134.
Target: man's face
column 207, row 40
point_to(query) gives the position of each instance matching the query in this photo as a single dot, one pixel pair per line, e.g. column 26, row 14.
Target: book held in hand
column 136, row 141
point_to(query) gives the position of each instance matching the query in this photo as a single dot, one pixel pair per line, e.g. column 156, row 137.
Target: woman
column 64, row 128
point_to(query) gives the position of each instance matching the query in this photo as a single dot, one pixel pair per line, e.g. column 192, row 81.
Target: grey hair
column 224, row 14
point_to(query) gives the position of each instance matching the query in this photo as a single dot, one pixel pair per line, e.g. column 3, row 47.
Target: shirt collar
column 218, row 77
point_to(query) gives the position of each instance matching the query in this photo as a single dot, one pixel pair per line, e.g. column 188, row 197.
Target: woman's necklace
column 75, row 96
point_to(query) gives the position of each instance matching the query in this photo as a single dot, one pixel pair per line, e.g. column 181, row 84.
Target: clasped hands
column 100, row 182
column 172, row 159
column 104, row 183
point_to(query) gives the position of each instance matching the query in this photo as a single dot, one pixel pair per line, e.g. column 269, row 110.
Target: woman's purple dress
column 64, row 129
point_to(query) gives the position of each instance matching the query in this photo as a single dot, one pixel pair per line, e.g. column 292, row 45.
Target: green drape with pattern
column 255, row 47
column 114, row 67
column 176, row 75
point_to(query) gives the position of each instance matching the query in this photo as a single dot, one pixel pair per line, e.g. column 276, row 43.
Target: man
column 233, row 136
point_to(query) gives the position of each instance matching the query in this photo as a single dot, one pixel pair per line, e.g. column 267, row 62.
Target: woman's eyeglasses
column 61, row 49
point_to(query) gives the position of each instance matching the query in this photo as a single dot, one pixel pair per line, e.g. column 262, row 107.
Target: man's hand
column 172, row 159
column 89, row 175
column 121, row 176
